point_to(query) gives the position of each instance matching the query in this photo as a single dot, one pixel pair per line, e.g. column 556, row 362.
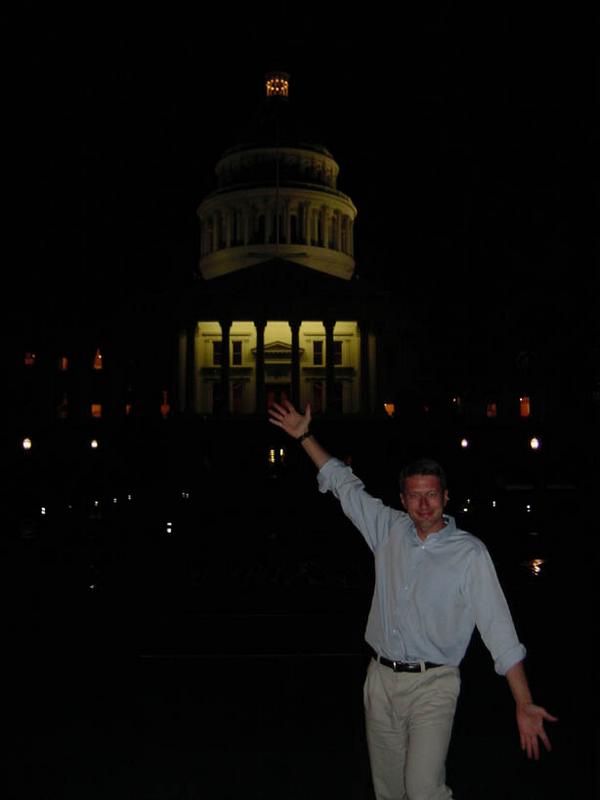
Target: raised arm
column 297, row 426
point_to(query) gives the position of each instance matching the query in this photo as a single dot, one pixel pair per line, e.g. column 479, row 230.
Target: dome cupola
column 277, row 197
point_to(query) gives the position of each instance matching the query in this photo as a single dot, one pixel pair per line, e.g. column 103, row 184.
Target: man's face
column 424, row 501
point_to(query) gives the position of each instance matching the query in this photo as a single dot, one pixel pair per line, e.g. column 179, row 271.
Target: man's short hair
column 423, row 466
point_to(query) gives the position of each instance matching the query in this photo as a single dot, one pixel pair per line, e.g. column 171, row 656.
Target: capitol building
column 277, row 311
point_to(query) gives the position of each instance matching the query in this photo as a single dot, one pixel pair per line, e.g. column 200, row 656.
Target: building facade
column 277, row 310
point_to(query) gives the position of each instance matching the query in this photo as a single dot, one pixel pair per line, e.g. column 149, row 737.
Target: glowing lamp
column 464, row 443
column 94, row 444
column 535, row 443
column 27, row 444
column 536, row 565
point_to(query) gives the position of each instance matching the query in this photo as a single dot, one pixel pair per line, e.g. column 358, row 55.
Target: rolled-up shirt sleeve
column 372, row 518
column 491, row 611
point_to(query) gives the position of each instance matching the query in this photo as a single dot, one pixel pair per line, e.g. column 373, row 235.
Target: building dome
column 277, row 197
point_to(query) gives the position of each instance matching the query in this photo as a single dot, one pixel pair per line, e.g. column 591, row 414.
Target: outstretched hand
column 285, row 416
column 530, row 720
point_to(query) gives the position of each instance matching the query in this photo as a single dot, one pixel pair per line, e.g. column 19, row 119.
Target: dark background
column 464, row 139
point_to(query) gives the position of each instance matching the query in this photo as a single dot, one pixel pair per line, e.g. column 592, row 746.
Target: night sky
column 463, row 139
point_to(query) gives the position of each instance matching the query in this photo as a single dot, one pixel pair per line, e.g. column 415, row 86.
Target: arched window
column 259, row 230
column 294, row 229
column 344, row 242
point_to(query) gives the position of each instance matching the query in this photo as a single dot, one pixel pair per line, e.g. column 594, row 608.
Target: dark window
column 318, row 353
column 237, row 394
column 236, row 353
column 217, row 353
column 337, row 353
column 294, row 229
column 217, row 397
column 318, row 395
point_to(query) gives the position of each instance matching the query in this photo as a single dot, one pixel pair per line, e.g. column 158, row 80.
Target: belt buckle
column 407, row 666
column 403, row 666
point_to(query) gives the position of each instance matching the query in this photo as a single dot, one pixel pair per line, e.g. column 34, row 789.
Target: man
column 433, row 584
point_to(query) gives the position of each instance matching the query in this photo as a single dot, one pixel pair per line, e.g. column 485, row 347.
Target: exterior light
column 94, row 444
column 536, row 565
column 271, row 456
column 277, row 84
column 169, row 527
column 27, row 444
column 390, row 409
column 535, row 443
column 464, row 443
column 43, row 511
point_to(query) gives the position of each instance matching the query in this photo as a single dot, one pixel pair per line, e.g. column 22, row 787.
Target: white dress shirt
column 429, row 595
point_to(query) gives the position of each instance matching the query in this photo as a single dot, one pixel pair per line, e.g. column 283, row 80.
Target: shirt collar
column 433, row 538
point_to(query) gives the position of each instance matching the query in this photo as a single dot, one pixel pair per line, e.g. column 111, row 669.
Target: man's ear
column 446, row 498
column 402, row 500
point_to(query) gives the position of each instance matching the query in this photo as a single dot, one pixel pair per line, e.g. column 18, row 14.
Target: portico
column 239, row 366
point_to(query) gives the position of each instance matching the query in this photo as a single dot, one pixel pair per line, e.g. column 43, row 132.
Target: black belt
column 403, row 666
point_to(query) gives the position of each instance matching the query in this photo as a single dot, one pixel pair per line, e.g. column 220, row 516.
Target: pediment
column 277, row 351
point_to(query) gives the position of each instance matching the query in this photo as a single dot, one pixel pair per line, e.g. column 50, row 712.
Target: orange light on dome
column 277, row 84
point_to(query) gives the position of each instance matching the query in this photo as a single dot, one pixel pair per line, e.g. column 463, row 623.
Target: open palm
column 285, row 416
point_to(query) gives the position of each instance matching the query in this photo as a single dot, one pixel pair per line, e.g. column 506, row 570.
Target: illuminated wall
column 206, row 373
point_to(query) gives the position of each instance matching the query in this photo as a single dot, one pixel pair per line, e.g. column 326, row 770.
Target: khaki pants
column 409, row 718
